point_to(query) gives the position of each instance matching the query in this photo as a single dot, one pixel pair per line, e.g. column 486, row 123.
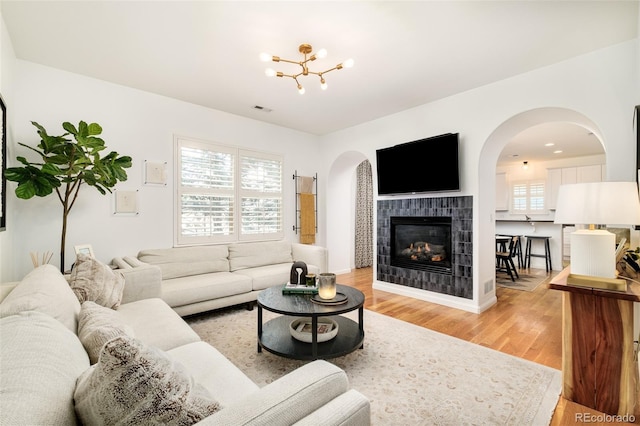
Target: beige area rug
column 411, row 375
column 526, row 282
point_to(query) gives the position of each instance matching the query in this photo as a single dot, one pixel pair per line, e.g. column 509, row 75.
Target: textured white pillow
column 95, row 281
column 97, row 325
column 134, row 384
column 40, row 362
column 253, row 255
column 187, row 261
column 44, row 290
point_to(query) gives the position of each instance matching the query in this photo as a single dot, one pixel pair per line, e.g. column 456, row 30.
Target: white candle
column 327, row 286
column 327, row 292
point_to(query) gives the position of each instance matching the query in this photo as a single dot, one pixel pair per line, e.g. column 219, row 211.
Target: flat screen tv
column 425, row 165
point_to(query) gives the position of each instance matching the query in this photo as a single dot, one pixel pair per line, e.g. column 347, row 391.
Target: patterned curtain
column 364, row 216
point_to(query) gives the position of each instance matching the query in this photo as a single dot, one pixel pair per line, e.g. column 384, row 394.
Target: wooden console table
column 598, row 366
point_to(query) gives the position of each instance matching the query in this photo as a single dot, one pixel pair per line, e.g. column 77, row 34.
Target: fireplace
column 446, row 224
column 421, row 242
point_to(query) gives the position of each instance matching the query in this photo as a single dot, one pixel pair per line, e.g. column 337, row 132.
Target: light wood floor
column 524, row 324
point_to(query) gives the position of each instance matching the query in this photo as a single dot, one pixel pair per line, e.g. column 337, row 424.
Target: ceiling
column 406, row 53
column 550, row 141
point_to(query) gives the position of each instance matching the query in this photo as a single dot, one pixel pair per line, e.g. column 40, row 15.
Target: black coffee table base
column 275, row 335
column 277, row 339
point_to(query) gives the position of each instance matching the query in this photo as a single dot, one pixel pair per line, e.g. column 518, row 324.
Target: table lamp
column 593, row 250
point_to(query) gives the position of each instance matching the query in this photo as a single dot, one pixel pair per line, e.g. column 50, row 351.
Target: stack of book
column 299, row 289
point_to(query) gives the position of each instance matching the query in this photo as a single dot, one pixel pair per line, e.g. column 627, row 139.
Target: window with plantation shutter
column 226, row 194
column 527, row 197
column 260, row 195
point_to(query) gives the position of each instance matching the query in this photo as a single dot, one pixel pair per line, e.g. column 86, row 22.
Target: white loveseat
column 43, row 361
column 202, row 278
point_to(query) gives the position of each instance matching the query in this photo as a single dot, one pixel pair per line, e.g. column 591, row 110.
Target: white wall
column 7, row 62
column 601, row 85
column 141, row 125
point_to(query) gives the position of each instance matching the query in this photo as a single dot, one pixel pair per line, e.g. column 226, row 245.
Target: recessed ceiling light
column 558, row 151
column 549, row 144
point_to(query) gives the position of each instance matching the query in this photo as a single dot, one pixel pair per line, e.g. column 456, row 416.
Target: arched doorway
column 489, row 154
column 342, row 186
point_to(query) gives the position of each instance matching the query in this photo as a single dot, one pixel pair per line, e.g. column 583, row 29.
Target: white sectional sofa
column 202, row 278
column 46, row 374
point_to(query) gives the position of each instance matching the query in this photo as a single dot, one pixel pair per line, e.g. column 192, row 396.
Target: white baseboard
column 468, row 305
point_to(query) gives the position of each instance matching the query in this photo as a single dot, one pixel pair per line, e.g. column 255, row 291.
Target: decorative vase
column 327, row 286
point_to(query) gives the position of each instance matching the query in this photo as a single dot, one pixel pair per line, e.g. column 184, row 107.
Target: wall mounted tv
column 425, row 165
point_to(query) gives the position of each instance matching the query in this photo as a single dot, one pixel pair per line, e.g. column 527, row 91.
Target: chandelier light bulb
column 322, row 53
column 323, row 84
column 300, row 89
column 265, row 57
column 270, row 72
column 348, row 63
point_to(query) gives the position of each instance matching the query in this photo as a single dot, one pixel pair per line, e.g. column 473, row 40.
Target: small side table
column 598, row 366
column 547, row 251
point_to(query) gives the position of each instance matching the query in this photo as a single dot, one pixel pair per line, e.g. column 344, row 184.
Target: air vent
column 261, row 108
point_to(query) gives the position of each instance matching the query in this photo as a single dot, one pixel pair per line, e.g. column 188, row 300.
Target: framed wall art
column 155, row 173
column 125, row 203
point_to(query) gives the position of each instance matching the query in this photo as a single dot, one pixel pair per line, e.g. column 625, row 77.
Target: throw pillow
column 95, row 281
column 134, row 384
column 44, row 290
column 97, row 325
column 40, row 362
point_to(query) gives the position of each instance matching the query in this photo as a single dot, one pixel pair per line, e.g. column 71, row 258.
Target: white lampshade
column 596, row 203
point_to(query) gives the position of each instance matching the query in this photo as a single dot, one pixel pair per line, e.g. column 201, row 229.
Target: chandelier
column 306, row 50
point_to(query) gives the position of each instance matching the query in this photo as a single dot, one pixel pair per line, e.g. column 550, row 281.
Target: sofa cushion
column 41, row 361
column 136, row 384
column 251, row 255
column 267, row 276
column 97, row 325
column 95, row 281
column 214, row 371
column 186, row 261
column 197, row 288
column 44, row 290
column 156, row 324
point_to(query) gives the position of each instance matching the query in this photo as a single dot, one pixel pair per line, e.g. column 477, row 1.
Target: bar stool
column 547, row 251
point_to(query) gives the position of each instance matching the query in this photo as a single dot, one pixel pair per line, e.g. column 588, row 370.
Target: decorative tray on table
column 338, row 300
column 300, row 329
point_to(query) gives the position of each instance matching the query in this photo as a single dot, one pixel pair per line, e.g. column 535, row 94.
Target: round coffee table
column 275, row 337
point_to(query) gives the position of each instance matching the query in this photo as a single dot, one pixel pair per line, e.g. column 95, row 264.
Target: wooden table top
column 559, row 282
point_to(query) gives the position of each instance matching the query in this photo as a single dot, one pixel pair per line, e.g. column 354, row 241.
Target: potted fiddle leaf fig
column 66, row 164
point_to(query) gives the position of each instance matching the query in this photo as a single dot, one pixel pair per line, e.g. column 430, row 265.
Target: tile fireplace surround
column 460, row 282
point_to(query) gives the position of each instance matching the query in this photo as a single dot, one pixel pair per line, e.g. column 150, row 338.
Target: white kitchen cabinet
column 554, row 180
column 586, row 174
column 569, row 175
